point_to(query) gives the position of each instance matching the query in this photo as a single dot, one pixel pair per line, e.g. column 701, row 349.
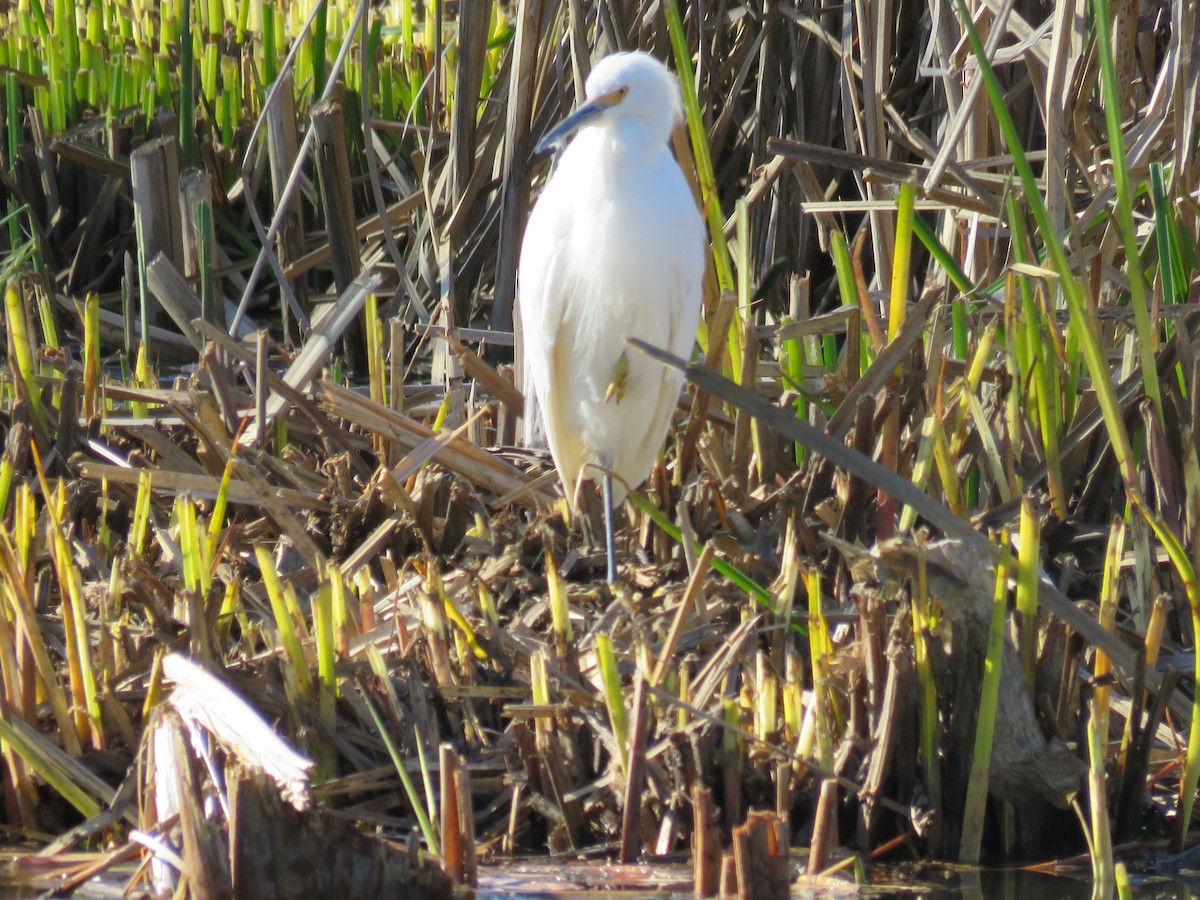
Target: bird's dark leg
column 609, row 537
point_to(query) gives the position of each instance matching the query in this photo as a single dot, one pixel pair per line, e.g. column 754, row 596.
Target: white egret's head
column 631, row 84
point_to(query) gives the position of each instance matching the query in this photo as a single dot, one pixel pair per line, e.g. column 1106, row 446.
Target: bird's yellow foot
column 616, row 388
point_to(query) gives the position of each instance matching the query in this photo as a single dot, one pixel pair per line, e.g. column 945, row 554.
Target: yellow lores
column 614, row 248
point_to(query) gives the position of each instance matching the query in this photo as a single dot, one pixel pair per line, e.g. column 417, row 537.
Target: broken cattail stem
column 706, row 843
column 825, row 827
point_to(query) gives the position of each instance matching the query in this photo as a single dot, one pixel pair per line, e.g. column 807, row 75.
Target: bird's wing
column 683, row 298
column 536, row 309
column 547, row 373
column 686, row 297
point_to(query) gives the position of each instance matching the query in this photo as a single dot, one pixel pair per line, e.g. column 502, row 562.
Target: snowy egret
column 614, row 248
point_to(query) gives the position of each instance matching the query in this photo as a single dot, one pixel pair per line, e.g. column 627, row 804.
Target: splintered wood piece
column 280, row 512
column 783, row 792
column 267, row 382
column 220, row 411
column 206, row 865
column 205, row 700
column 554, row 773
column 332, row 160
column 453, row 845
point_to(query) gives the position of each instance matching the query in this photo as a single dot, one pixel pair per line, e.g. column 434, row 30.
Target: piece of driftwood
column 279, row 853
column 893, row 707
column 262, row 838
column 474, row 366
column 962, row 585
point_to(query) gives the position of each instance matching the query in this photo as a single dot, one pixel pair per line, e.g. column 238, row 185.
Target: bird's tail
column 534, row 429
column 533, row 425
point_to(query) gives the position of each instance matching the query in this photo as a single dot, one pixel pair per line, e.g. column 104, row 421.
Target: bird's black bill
column 568, row 126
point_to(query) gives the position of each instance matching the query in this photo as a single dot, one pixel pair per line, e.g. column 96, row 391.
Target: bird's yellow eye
column 612, row 98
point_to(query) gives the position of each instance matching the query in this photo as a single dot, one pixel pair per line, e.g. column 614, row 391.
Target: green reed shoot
column 614, row 699
column 376, row 368
column 297, row 669
column 1081, row 311
column 339, row 617
column 921, row 470
column 44, row 759
column 560, row 609
column 766, row 698
column 141, row 514
column 820, row 649
column 700, row 150
column 187, row 85
column 18, row 591
column 1173, row 270
column 85, row 695
column 189, row 542
column 323, row 633
column 428, row 831
column 1100, row 845
column 1038, row 358
column 1125, row 224
column 1028, row 566
column 902, row 259
column 759, row 593
column 21, row 344
column 91, row 355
